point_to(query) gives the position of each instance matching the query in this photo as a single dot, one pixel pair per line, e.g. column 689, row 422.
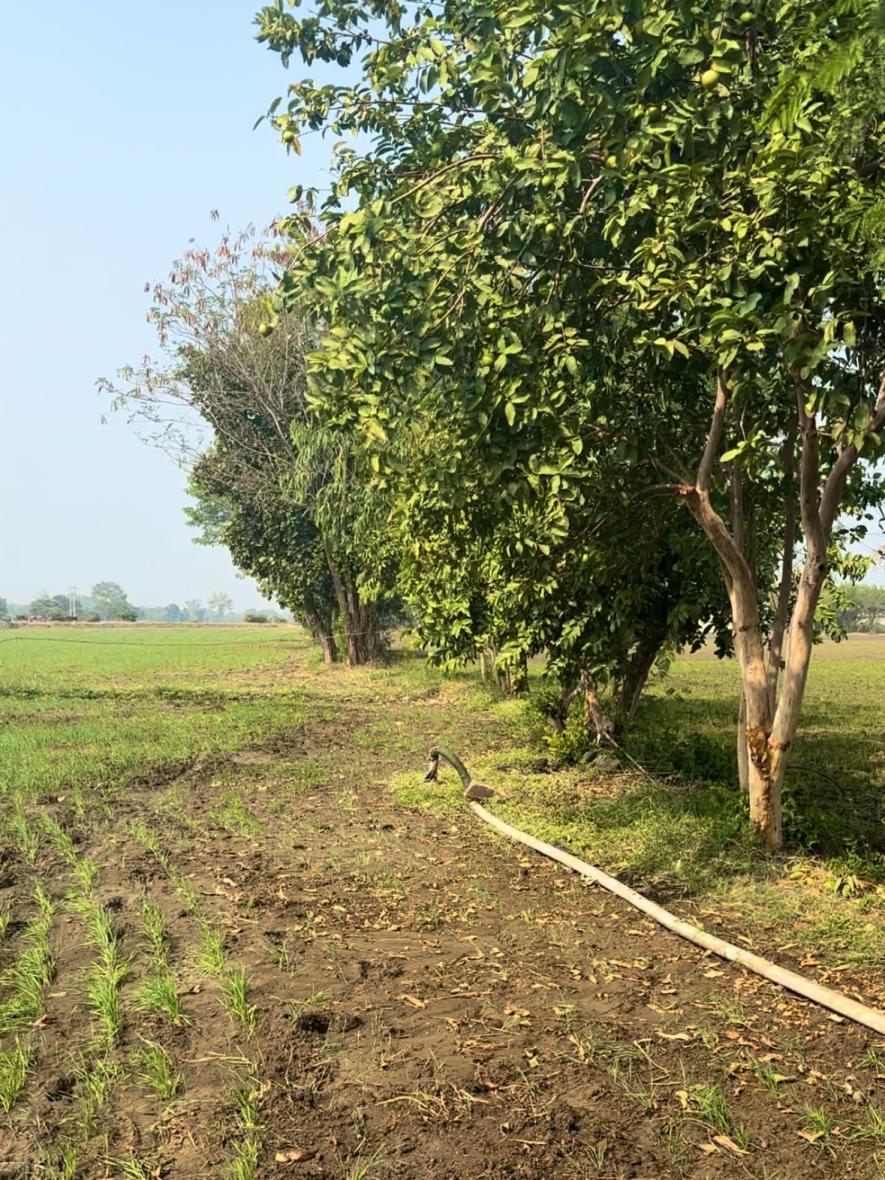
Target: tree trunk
column 330, row 649
column 362, row 634
column 635, row 679
column 770, row 731
column 321, row 630
column 743, row 756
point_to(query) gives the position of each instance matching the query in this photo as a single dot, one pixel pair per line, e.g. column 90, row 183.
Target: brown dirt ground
column 432, row 1001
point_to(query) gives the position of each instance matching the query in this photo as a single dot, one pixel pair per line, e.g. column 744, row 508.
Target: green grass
column 154, row 923
column 678, row 828
column 84, row 710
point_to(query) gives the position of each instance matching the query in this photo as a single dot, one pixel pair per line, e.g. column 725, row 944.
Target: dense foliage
column 586, row 263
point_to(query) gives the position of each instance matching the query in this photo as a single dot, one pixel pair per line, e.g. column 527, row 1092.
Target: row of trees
column 583, row 352
column 108, row 600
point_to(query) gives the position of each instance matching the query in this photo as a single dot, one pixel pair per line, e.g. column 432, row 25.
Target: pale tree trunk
column 764, row 798
column 737, row 532
column 770, row 732
column 785, row 588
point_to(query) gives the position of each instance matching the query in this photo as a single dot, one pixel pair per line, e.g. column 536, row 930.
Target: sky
column 121, row 127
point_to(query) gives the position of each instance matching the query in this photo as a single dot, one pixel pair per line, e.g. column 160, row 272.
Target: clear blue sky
column 122, row 126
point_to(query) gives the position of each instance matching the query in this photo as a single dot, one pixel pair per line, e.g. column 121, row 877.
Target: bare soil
column 432, row 1001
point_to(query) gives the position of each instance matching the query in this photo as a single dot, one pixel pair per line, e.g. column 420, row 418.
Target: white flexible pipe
column 836, row 1001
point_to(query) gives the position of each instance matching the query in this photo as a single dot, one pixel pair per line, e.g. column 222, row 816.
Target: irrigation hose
column 836, row 1001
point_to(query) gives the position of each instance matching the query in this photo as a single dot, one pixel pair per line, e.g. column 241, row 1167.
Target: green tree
column 110, row 601
column 583, row 228
column 230, row 402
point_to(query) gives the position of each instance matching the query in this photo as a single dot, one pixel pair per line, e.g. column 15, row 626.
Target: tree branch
column 711, row 449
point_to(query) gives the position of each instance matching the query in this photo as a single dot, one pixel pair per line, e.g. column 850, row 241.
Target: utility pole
column 72, row 602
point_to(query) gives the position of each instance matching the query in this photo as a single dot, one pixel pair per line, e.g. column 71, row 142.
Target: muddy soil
column 430, row 1001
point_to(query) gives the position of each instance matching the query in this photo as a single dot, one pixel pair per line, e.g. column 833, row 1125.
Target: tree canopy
column 586, row 259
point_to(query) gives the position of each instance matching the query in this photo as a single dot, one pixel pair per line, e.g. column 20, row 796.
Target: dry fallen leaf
column 672, row 1036
column 294, row 1155
column 811, row 1136
column 725, row 1141
column 414, row 1001
column 709, row 1148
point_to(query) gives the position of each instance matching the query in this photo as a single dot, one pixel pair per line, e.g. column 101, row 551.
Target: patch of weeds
column 5, row 918
column 13, row 1073
column 247, row 1149
column 133, row 1169
column 103, row 996
column 766, row 1075
column 234, row 816
column 26, row 838
column 95, row 1080
column 592, row 1156
column 235, row 992
column 157, row 1070
column 44, row 901
column 86, row 873
column 874, row 1126
column 817, row 1122
column 361, row 1169
column 59, row 838
column 159, row 993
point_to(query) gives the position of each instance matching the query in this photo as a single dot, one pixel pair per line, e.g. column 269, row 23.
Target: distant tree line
column 108, row 601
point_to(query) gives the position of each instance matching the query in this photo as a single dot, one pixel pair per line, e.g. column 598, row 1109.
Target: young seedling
column 59, row 1163
column 212, row 950
column 132, row 1169
column 157, row 1071
column 235, row 991
column 247, row 1149
column 714, row 1111
column 25, row 836
column 103, row 995
column 13, row 1072
column 26, row 979
column 244, row 1163
column 159, row 994
column 817, row 1122
column 94, row 1082
column 154, row 923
